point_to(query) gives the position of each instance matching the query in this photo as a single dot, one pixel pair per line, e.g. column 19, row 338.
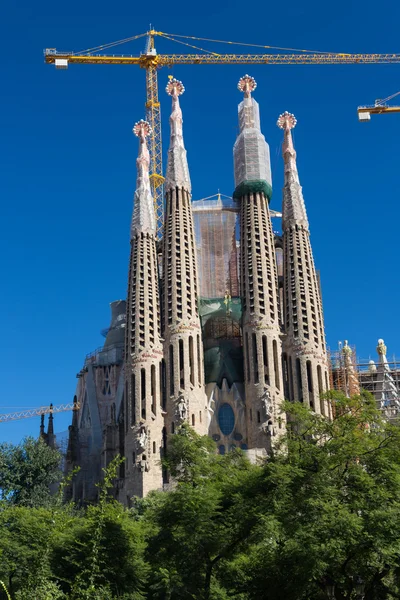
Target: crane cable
column 171, row 36
column 382, row 102
column 190, row 37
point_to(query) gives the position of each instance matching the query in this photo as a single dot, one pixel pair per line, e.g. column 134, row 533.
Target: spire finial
column 175, row 87
column 177, row 168
column 143, row 218
column 142, row 130
column 247, row 84
column 286, row 121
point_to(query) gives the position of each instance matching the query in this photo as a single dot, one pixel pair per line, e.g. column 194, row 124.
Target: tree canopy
column 321, row 514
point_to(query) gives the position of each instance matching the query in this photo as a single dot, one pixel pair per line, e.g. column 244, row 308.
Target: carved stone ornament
column 181, row 409
column 266, row 404
column 142, row 436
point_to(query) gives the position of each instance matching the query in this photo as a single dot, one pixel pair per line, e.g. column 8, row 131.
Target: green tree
column 207, row 518
column 27, row 471
column 334, row 497
column 101, row 555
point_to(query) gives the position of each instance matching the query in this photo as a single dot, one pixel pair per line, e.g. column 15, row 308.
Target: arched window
column 181, row 366
column 133, row 400
column 226, row 419
column 143, row 391
column 299, row 380
column 191, row 360
column 153, row 389
column 171, row 371
column 265, row 359
column 255, row 357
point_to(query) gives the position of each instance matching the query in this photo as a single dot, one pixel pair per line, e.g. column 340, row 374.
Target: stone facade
column 223, row 365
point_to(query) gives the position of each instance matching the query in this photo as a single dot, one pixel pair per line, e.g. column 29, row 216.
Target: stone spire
column 251, row 152
column 262, row 346
column 387, row 395
column 177, row 165
column 143, row 217
column 143, row 346
column 293, row 203
column 50, row 437
column 185, row 399
column 304, row 358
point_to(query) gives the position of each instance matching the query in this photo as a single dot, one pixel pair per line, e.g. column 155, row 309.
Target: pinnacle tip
column 247, row 84
column 175, row 88
column 286, row 121
column 142, row 129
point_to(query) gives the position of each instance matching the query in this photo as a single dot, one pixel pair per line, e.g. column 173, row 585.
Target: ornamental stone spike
column 143, row 217
column 293, row 208
column 251, row 151
column 177, row 166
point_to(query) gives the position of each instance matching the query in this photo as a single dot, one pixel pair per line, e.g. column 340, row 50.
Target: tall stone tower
column 183, row 347
column 143, row 346
column 259, row 285
column 304, row 359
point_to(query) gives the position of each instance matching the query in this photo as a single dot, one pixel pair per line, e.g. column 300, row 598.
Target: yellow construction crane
column 152, row 62
column 37, row 412
column 380, row 107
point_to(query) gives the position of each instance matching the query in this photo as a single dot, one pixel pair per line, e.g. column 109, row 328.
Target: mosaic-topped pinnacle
column 247, row 84
column 177, row 174
column 142, row 129
column 293, row 209
column 175, row 87
column 286, row 121
column 143, row 218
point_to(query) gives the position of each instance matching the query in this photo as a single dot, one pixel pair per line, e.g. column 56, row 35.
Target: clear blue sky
column 67, row 159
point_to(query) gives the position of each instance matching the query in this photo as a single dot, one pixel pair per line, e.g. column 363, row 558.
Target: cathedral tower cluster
column 178, row 354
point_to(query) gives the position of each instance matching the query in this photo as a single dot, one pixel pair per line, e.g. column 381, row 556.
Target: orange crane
column 37, row 412
column 380, row 107
column 151, row 61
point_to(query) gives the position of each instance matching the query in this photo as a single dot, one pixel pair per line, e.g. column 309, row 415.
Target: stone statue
column 142, row 436
column 381, row 348
column 266, row 404
column 181, row 408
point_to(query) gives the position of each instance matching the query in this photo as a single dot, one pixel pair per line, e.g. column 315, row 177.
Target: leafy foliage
column 323, row 509
column 27, row 471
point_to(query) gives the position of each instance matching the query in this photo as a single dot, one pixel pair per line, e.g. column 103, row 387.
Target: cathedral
column 222, row 321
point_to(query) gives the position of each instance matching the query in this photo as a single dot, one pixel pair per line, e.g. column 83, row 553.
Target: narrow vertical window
column 255, row 357
column 163, row 385
column 276, row 364
column 251, row 415
column 198, row 359
column 265, row 359
column 171, row 371
column 320, row 385
column 126, row 400
column 291, row 391
column 181, row 366
column 309, row 376
column 299, row 380
column 172, row 427
column 133, row 400
column 247, row 356
column 191, row 360
column 154, row 447
column 193, row 421
column 143, row 391
column 153, row 389
column 200, row 417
